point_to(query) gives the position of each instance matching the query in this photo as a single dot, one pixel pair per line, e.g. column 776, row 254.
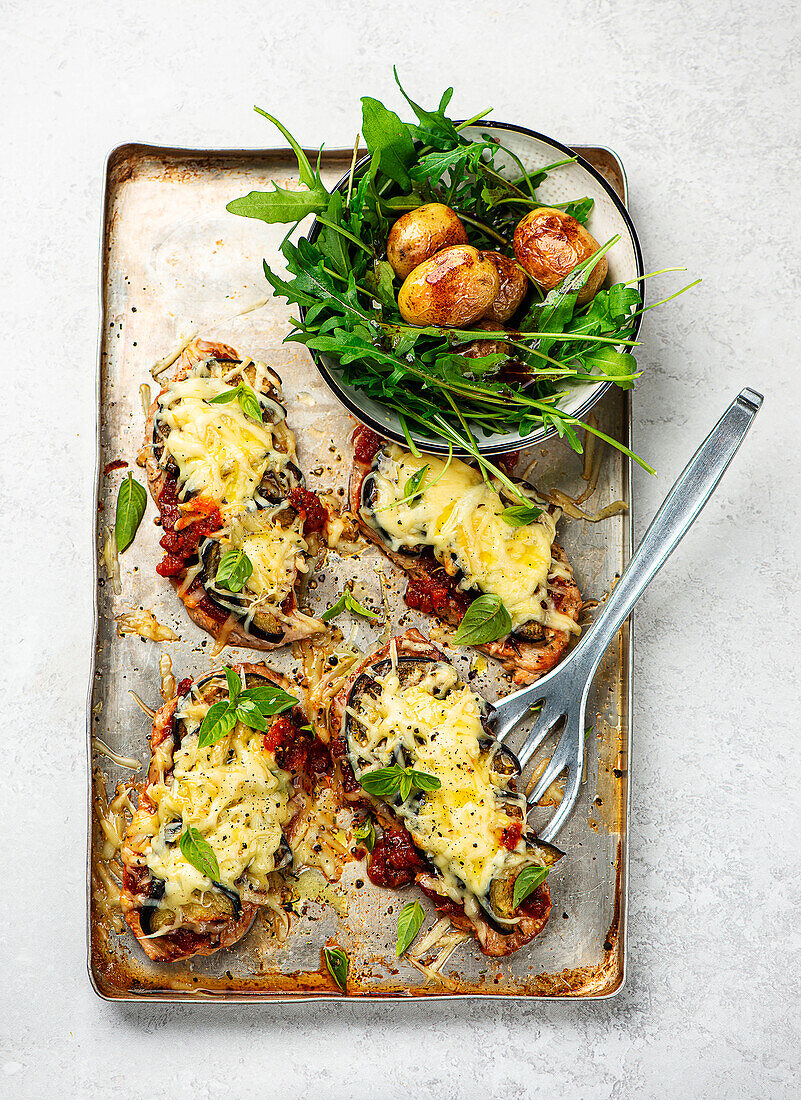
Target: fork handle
column 671, row 523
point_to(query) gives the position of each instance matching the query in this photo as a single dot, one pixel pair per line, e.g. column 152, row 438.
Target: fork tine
column 546, row 720
column 556, row 765
column 562, row 811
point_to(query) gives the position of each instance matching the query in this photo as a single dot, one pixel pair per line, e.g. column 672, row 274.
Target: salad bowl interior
column 608, row 218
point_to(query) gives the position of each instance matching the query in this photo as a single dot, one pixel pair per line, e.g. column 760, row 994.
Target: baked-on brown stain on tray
column 174, row 262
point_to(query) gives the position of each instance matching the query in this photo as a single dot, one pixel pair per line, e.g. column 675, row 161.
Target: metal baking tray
column 174, row 262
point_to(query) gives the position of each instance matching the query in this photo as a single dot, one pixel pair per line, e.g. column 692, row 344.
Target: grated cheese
column 459, row 516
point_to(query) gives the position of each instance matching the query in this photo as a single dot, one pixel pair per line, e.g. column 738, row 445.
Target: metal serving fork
column 564, row 691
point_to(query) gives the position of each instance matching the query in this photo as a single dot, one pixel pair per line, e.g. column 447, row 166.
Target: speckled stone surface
column 703, row 103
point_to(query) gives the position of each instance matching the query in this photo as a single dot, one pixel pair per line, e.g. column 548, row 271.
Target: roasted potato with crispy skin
column 549, row 243
column 478, row 348
column 513, row 287
column 454, row 288
column 419, row 234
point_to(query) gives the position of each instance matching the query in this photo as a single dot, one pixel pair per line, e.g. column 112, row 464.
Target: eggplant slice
column 173, row 909
column 264, row 614
column 405, row 706
column 437, row 584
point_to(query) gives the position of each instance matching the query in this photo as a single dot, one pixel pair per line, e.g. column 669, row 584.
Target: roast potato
column 513, row 287
column 477, row 348
column 454, row 288
column 549, row 243
column 417, row 235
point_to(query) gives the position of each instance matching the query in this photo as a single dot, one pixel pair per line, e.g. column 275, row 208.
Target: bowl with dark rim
column 607, row 219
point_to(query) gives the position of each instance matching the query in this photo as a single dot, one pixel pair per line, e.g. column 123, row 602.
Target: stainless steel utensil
column 563, row 692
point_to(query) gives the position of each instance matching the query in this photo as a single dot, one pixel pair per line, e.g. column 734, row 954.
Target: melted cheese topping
column 237, row 798
column 459, row 516
column 221, row 452
column 276, row 553
column 436, row 724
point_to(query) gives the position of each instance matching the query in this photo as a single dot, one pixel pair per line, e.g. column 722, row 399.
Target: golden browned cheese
column 419, row 234
column 454, row 288
column 549, row 243
column 513, row 287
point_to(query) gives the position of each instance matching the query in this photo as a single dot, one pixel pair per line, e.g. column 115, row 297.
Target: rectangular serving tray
column 174, row 263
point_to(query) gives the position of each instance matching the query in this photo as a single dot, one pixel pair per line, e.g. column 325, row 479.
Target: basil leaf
column 336, row 962
column 410, row 920
column 218, row 723
column 269, row 699
column 405, row 786
column 131, row 503
column 249, row 402
column 199, row 853
column 335, row 609
column 412, row 488
column 486, row 620
column 526, row 882
column 347, row 602
column 234, row 685
column 358, row 609
column 248, row 713
column 366, row 834
column 226, row 397
column 234, row 570
column 520, row 515
column 382, row 782
column 423, row 781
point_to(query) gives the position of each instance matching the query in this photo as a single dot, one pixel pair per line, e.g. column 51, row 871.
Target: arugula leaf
column 485, row 620
column 218, row 723
column 336, row 962
column 347, row 602
column 434, row 128
column 388, row 140
column 365, row 832
column 331, row 244
column 520, row 515
column 380, row 281
column 580, row 209
column 197, row 851
column 234, row 569
column 278, row 205
column 131, row 504
column 281, row 205
column 620, row 364
column 526, row 882
column 410, row 920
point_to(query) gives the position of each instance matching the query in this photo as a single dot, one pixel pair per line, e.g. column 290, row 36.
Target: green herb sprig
column 244, row 396
column 384, row 782
column 252, row 707
column 485, row 620
column 347, row 602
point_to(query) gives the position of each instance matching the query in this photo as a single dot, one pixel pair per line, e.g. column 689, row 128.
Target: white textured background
column 703, row 103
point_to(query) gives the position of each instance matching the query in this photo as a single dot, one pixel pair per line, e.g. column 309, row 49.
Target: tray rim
column 626, row 632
